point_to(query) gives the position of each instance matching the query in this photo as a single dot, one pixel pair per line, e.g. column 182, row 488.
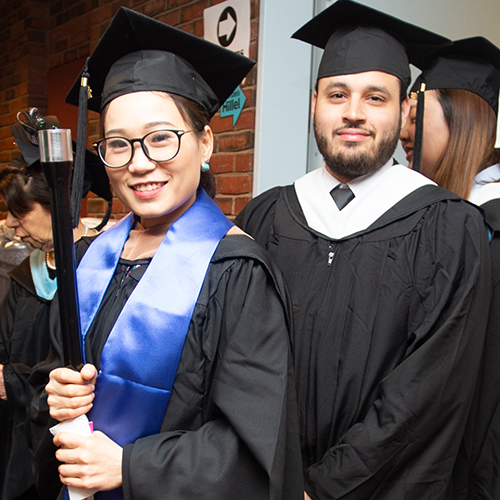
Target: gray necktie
column 342, row 195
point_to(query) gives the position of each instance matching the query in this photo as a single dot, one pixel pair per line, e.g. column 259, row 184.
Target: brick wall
column 42, row 38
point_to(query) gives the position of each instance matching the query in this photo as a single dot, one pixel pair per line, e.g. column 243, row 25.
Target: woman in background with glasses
column 184, row 324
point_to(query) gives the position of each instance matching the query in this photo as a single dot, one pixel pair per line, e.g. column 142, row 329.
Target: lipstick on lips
column 148, row 190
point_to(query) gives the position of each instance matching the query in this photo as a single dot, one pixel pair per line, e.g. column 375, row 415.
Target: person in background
column 12, row 252
column 188, row 376
column 24, row 314
column 457, row 151
column 388, row 274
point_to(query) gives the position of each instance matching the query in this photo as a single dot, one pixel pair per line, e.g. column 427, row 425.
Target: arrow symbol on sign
column 227, row 27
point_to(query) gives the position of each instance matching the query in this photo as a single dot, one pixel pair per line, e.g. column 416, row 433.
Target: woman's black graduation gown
column 389, row 327
column 230, row 430
column 24, row 341
column 477, row 472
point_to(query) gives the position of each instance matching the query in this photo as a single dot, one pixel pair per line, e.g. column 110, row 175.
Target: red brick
column 176, row 3
column 254, row 30
column 5, row 132
column 252, row 53
column 219, row 124
column 246, row 120
column 235, row 142
column 243, row 162
column 153, row 8
column 37, row 87
column 194, row 11
column 198, row 28
column 38, row 63
column 96, row 205
column 119, row 207
column 222, row 163
column 235, row 184
column 80, row 37
column 83, row 51
column 36, row 36
column 240, row 202
column 225, row 204
column 188, row 27
column 254, row 9
column 171, row 18
column 56, row 60
column 70, row 55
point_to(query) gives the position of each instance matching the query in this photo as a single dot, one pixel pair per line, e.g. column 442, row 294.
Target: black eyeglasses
column 160, row 145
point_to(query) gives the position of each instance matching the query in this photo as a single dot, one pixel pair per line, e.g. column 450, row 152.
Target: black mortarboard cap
column 469, row 64
column 138, row 53
column 357, row 38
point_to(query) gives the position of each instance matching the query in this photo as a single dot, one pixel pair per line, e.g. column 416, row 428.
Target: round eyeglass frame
column 178, row 133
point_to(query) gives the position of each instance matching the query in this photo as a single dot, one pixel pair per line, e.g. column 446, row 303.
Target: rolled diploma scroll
column 81, row 426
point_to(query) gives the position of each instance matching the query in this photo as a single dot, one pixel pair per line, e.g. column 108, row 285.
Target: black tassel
column 81, row 141
column 419, row 129
column 105, row 219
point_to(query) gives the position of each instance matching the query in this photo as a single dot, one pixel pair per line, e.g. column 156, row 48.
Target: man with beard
column 388, row 275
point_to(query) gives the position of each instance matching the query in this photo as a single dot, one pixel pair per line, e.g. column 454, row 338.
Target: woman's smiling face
column 158, row 192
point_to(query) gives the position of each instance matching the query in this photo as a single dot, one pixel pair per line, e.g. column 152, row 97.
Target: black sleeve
column 476, row 473
column 39, row 420
column 24, row 341
column 407, row 444
column 246, row 445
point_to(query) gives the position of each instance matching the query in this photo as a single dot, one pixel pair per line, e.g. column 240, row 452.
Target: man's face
column 357, row 119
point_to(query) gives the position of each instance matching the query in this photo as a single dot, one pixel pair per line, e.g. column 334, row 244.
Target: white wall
column 282, row 118
column 284, row 68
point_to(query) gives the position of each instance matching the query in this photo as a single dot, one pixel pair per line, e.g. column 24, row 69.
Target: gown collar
column 485, row 187
column 374, row 195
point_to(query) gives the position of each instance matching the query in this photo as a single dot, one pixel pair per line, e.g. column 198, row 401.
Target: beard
column 351, row 163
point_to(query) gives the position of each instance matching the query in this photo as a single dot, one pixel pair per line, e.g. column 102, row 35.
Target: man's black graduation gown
column 24, row 341
column 389, row 327
column 477, row 472
column 230, row 430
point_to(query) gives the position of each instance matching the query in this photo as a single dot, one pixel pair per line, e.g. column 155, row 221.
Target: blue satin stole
column 141, row 355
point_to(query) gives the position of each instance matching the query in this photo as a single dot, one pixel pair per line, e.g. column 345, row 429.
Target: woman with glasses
column 183, row 319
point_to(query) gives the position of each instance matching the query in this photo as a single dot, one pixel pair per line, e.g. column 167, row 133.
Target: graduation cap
column 138, row 53
column 357, row 38
column 25, row 133
column 471, row 64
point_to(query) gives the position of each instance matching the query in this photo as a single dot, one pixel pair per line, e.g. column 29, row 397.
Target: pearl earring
column 205, row 166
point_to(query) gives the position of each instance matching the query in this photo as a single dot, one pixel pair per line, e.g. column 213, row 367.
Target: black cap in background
column 26, row 136
column 357, row 38
column 469, row 64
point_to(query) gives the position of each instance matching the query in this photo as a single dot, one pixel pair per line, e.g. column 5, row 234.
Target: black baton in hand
column 56, row 157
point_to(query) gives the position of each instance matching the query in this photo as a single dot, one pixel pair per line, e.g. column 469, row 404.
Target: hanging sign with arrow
column 228, row 24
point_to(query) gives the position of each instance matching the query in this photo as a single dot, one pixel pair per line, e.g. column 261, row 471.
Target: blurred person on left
column 24, row 313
